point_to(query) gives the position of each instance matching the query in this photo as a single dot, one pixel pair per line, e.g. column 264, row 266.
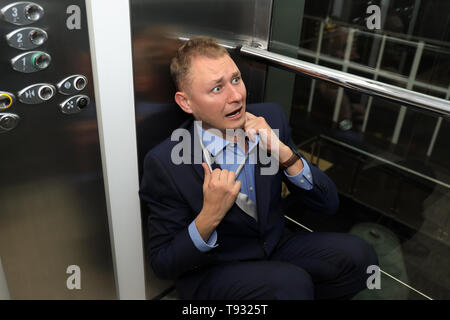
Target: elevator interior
column 389, row 159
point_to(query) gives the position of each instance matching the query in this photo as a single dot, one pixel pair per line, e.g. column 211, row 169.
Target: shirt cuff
column 198, row 240
column 304, row 178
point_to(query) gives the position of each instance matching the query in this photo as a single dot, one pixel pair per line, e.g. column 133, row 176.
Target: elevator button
column 6, row 99
column 22, row 13
column 37, row 93
column 40, row 60
column 46, row 92
column 26, row 38
column 31, row 61
column 72, row 84
column 8, row 121
column 74, row 104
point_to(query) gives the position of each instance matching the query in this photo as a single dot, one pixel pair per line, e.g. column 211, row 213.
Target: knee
column 363, row 254
column 292, row 283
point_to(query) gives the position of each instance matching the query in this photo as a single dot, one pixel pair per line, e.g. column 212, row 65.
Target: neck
column 221, row 133
column 243, row 144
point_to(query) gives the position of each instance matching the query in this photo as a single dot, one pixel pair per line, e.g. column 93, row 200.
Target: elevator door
column 54, row 238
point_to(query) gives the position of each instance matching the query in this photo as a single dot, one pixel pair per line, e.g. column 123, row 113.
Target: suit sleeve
column 323, row 197
column 170, row 248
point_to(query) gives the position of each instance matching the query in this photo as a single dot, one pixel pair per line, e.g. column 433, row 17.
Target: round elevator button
column 37, row 37
column 33, row 12
column 82, row 102
column 5, row 101
column 45, row 92
column 8, row 121
column 40, row 60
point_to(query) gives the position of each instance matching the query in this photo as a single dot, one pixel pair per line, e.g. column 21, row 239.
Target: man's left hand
column 269, row 140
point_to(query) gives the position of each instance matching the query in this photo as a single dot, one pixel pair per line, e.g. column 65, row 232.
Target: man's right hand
column 220, row 190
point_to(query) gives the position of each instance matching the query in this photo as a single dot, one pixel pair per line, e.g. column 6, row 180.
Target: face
column 216, row 94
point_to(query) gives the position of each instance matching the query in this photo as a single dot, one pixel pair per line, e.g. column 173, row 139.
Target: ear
column 182, row 100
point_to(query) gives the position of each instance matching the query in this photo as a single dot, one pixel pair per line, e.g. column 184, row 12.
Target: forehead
column 210, row 69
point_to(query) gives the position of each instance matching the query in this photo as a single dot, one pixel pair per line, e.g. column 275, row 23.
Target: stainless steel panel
column 52, row 201
column 233, row 20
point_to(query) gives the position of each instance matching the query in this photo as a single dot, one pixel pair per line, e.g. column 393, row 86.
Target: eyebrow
column 235, row 74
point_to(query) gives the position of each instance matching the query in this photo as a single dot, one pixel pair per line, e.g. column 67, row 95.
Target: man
column 217, row 227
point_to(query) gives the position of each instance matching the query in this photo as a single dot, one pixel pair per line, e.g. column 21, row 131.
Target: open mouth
column 236, row 113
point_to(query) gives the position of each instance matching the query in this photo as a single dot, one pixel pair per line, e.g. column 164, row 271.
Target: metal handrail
column 354, row 82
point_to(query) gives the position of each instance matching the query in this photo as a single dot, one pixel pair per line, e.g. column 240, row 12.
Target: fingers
column 224, row 175
column 207, row 173
column 249, row 116
column 231, row 177
column 250, row 130
column 233, row 183
column 251, row 133
column 263, row 135
column 215, row 175
column 237, row 187
column 220, row 185
column 252, row 125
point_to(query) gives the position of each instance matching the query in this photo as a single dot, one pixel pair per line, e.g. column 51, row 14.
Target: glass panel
column 389, row 162
column 406, row 48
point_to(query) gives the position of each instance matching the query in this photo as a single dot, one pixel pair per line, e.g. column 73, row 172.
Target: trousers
column 304, row 266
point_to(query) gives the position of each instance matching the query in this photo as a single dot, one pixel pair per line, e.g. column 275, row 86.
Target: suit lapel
column 196, row 153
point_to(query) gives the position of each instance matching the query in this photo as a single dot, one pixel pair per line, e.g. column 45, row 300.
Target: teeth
column 234, row 113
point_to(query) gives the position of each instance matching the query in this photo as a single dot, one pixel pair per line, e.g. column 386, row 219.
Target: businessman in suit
column 215, row 226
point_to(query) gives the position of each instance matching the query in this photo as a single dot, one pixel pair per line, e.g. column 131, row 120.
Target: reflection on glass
column 390, row 162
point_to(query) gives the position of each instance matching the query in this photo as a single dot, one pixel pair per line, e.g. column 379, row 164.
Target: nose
column 235, row 93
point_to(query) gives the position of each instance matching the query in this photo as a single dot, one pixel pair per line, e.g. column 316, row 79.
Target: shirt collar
column 216, row 144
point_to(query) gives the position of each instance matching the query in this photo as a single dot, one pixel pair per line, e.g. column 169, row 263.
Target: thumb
column 207, row 173
column 249, row 116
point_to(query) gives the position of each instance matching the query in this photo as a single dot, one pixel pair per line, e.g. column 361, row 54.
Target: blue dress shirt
column 228, row 155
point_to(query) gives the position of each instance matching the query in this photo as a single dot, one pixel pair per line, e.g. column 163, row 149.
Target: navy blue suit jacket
column 174, row 196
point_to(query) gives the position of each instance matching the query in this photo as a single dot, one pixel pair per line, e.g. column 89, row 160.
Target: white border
column 110, row 41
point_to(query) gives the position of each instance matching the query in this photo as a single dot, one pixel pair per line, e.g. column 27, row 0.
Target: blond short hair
column 201, row 46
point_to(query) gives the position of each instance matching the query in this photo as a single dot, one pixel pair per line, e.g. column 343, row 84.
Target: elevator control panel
column 6, row 100
column 22, row 13
column 37, row 52
column 26, row 38
column 8, row 121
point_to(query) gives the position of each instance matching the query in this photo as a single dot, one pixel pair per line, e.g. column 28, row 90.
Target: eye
column 236, row 80
column 216, row 89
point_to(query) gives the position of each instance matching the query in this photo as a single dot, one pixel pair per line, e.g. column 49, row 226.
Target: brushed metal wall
column 156, row 27
column 52, row 201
